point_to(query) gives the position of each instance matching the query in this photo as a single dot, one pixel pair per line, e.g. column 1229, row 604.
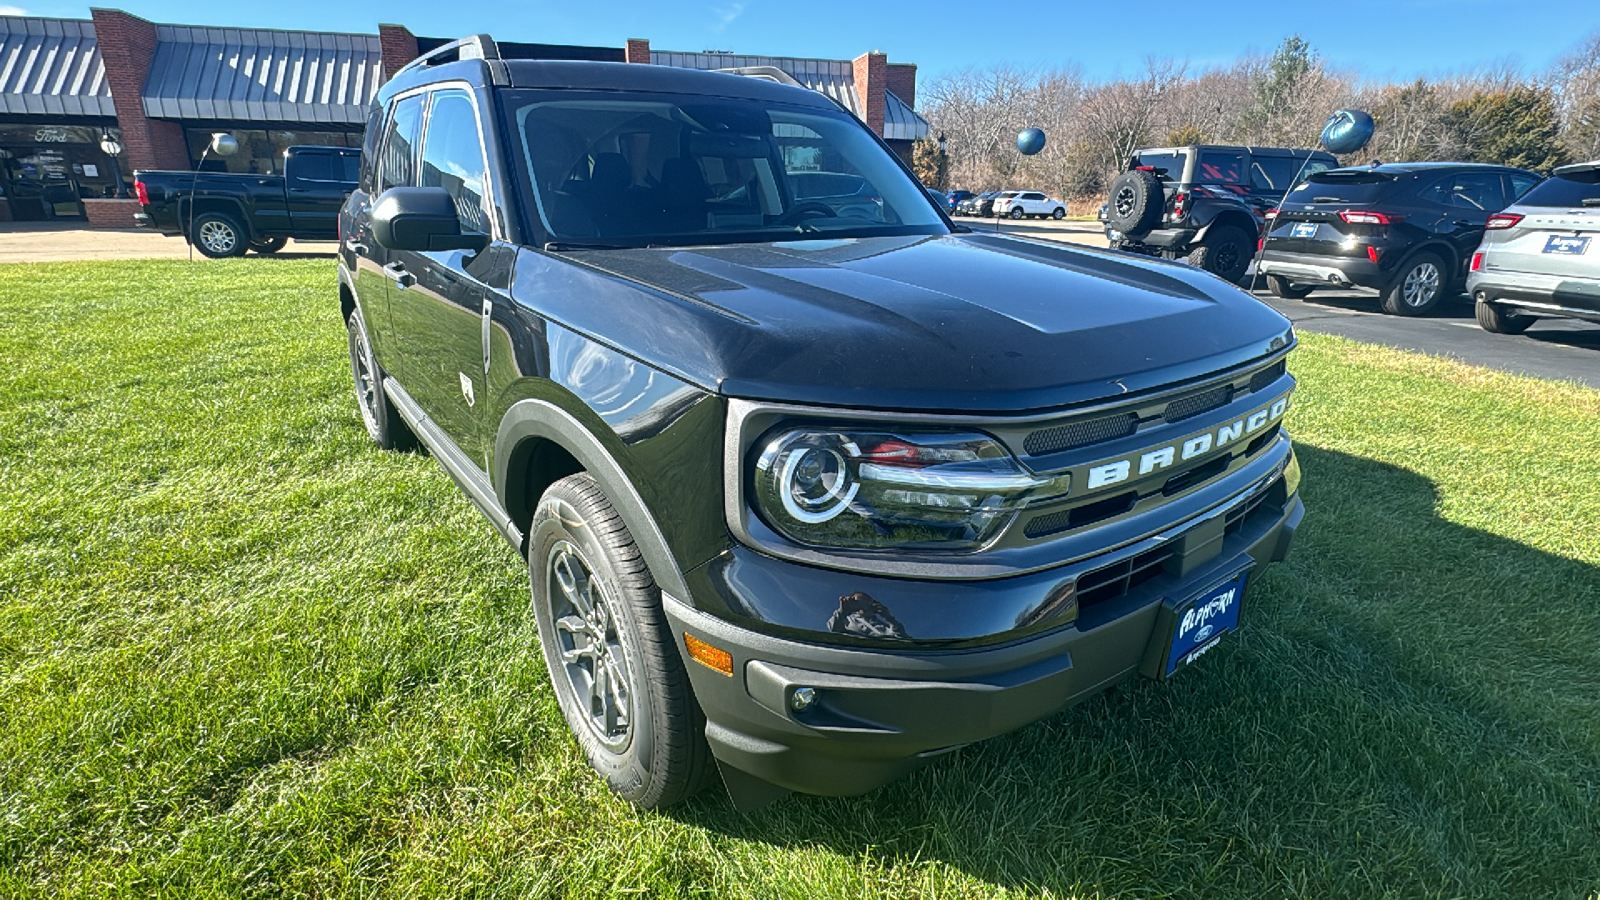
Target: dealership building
column 85, row 102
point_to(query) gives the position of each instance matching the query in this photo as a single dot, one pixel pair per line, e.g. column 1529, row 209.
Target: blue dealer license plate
column 1203, row 621
column 1568, row 245
column 1303, row 229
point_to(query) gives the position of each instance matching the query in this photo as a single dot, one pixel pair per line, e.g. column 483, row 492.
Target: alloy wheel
column 594, row 660
column 1421, row 285
column 218, row 237
column 366, row 380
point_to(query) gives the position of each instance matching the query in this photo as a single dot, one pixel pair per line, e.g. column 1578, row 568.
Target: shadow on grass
column 1411, row 709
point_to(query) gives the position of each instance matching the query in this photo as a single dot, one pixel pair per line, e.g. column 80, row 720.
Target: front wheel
column 1059, row 213
column 382, row 420
column 1496, row 320
column 1283, row 287
column 1417, row 288
column 615, row 667
column 218, row 235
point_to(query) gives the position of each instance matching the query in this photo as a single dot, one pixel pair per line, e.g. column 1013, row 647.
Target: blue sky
column 1394, row 39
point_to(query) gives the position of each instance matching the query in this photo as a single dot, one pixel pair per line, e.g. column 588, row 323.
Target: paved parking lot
column 1553, row 348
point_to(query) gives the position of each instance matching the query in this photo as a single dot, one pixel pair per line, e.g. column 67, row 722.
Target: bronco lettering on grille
column 1118, row 470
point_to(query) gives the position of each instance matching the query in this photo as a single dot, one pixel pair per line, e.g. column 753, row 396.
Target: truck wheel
column 1017, row 213
column 1059, row 213
column 1225, row 253
column 218, row 235
column 268, row 245
column 1417, row 288
column 383, row 421
column 613, row 662
column 1496, row 320
column 1136, row 202
column 1283, row 287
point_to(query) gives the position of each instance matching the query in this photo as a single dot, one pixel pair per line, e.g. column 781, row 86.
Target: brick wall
column 637, row 51
column 110, row 213
column 902, row 82
column 399, row 47
column 128, row 44
column 872, row 79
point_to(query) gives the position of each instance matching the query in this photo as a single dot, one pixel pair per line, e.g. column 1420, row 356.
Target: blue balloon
column 1030, row 141
column 1347, row 131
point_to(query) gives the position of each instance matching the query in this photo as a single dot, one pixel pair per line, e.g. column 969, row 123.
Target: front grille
column 1117, row 579
column 1195, row 404
column 1078, row 434
column 1079, row 516
column 1267, row 376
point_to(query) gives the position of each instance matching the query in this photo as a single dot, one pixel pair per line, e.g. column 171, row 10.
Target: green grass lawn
column 244, row 653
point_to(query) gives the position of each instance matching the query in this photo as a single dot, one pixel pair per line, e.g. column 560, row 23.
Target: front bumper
column 883, row 711
column 1336, row 271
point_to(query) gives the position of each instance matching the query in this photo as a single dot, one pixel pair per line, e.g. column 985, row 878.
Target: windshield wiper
column 558, row 246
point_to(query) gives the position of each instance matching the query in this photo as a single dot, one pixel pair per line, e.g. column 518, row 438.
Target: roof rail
column 474, row 46
column 765, row 73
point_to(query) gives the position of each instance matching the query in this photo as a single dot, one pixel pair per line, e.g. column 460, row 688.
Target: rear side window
column 1477, row 191
column 399, row 144
column 452, row 157
column 1573, row 189
column 1521, row 183
column 1221, row 167
column 1279, row 173
column 1166, row 165
column 313, row 167
column 1342, row 187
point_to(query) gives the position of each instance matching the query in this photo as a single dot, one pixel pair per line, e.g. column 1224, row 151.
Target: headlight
column 872, row 490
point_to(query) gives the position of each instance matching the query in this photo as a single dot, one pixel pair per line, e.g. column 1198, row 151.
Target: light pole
column 113, row 148
column 944, row 162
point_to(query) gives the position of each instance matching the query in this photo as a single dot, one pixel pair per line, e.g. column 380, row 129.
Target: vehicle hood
column 958, row 323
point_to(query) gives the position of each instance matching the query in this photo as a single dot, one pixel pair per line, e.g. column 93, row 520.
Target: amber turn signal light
column 707, row 655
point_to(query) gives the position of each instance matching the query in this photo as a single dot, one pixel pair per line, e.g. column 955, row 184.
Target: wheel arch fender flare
column 1238, row 218
column 1442, row 249
column 531, row 421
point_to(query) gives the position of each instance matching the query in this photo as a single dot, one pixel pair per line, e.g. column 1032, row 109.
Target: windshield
column 628, row 170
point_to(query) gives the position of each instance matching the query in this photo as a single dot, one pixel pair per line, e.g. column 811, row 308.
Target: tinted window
column 1221, row 167
column 452, row 157
column 1033, row 195
column 624, row 169
column 399, row 144
column 369, row 147
column 1168, row 165
column 1277, row 174
column 326, row 167
column 1571, row 190
column 1521, row 183
column 1342, row 186
column 1477, row 191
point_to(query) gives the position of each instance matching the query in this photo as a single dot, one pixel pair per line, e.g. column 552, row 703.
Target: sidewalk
column 74, row 241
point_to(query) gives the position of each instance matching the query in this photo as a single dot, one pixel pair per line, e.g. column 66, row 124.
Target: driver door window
column 452, row 157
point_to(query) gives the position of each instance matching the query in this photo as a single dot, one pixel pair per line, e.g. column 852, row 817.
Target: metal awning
column 263, row 76
column 901, row 122
column 52, row 67
column 833, row 77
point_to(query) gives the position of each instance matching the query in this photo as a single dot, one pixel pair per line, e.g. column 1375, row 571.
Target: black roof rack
column 475, row 46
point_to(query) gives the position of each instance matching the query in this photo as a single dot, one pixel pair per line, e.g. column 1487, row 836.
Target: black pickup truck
column 229, row 213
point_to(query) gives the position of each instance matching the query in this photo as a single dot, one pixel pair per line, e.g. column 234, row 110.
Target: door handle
column 398, row 274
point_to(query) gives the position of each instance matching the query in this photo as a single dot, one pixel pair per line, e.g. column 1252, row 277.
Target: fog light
column 803, row 699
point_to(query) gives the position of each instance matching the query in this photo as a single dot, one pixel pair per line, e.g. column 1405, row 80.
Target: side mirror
column 422, row 219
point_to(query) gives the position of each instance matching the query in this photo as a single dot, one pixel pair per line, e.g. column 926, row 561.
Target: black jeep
column 810, row 482
column 1203, row 203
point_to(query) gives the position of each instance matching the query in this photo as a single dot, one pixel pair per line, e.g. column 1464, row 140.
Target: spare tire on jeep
column 1136, row 202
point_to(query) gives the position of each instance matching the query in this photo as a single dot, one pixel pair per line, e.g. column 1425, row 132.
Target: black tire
column 1496, row 320
column 383, row 421
column 1136, row 202
column 268, row 245
column 1418, row 287
column 1225, row 253
column 1059, row 213
column 219, row 235
column 580, row 553
column 1283, row 287
column 1017, row 213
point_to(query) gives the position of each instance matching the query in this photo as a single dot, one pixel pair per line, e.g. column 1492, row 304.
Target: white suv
column 1030, row 203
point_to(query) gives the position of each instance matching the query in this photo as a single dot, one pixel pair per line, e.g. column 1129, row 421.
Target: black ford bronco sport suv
column 812, row 484
column 1203, row 203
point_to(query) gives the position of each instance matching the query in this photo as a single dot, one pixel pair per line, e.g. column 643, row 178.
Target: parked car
column 939, row 197
column 1203, row 203
column 982, row 205
column 955, row 198
column 1030, row 204
column 1405, row 230
column 1539, row 257
column 232, row 212
column 811, row 491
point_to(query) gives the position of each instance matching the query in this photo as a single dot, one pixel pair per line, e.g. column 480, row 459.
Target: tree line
column 1494, row 114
